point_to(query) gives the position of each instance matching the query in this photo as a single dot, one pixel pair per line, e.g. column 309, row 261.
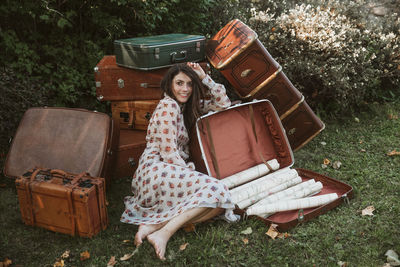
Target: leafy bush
column 330, row 53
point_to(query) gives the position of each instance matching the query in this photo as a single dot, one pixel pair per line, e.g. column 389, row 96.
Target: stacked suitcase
column 243, row 60
column 131, row 78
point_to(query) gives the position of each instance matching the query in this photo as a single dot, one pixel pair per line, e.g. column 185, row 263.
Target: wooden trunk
column 131, row 146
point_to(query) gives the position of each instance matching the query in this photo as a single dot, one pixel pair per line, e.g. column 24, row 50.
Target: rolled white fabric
column 285, row 194
column 294, row 204
column 250, row 174
column 310, row 191
column 263, row 184
column 253, row 199
column 286, row 172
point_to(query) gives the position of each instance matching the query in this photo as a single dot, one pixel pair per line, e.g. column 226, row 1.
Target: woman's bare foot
column 144, row 230
column 159, row 240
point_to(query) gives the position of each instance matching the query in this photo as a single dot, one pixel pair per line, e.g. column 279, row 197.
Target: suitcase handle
column 174, row 59
column 63, row 173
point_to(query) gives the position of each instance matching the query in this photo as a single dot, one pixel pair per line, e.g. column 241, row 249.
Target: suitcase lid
column 74, row 140
column 163, row 41
column 228, row 43
column 233, row 139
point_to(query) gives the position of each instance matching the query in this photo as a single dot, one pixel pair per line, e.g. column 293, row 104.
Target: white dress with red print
column 165, row 184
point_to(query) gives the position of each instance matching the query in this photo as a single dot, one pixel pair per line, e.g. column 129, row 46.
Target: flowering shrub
column 330, row 53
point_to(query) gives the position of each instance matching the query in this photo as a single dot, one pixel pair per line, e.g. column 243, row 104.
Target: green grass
column 341, row 234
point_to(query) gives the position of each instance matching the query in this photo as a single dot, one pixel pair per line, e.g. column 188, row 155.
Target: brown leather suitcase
column 282, row 93
column 115, row 83
column 241, row 58
column 302, row 125
column 73, row 140
column 131, row 146
column 249, row 134
column 133, row 114
column 62, row 202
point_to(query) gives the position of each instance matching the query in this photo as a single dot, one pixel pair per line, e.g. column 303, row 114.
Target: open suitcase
column 115, row 83
column 133, row 114
column 62, row 202
column 250, row 134
column 131, row 146
column 73, row 140
column 159, row 51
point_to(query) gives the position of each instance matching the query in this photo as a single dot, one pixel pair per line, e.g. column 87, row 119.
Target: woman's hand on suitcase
column 198, row 69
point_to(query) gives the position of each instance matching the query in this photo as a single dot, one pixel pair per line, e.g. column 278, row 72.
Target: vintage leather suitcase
column 131, row 146
column 74, row 140
column 133, row 114
column 241, row 58
column 115, row 83
column 249, row 134
column 282, row 93
column 62, row 202
column 302, row 125
column 159, row 51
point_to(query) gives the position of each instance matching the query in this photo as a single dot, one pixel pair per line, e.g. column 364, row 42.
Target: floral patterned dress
column 165, row 184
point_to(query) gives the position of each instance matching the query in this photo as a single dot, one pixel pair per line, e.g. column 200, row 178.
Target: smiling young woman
column 167, row 191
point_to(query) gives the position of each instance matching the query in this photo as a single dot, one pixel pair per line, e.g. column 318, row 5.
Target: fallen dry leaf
column 128, row 256
column 183, row 246
column 247, row 231
column 368, row 211
column 85, row 255
column 126, row 241
column 65, row 255
column 326, row 161
column 342, row 263
column 189, row 228
column 393, row 117
column 245, row 241
column 336, row 165
column 111, row 262
column 393, row 153
column 283, row 235
column 363, row 150
column 59, row 263
column 7, row 262
column 272, row 231
column 392, row 258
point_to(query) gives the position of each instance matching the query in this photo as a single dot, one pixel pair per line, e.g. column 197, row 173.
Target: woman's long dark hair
column 192, row 109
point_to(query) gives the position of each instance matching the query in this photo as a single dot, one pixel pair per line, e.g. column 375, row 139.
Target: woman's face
column 182, row 87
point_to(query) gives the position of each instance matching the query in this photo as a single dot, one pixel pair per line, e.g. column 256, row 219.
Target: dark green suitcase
column 159, row 51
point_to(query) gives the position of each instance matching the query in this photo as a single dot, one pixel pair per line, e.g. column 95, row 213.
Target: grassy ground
column 342, row 235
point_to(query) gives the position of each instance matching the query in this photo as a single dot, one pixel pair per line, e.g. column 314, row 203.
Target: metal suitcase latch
column 121, row 83
column 198, row 47
column 98, row 84
column 157, row 53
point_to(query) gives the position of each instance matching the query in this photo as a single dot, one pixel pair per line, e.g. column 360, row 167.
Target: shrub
column 330, row 53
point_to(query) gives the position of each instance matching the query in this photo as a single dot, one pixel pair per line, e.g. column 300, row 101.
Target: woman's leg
column 159, row 238
column 146, row 229
column 207, row 215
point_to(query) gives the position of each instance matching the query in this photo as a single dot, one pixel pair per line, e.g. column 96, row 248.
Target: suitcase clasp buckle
column 300, row 215
column 346, row 199
column 121, row 83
